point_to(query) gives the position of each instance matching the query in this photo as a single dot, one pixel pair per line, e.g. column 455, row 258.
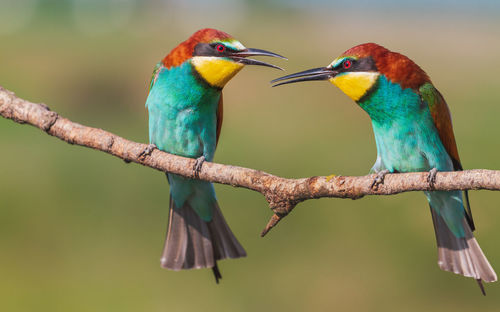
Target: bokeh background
column 83, row 231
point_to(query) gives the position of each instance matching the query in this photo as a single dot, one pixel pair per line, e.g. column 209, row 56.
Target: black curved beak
column 240, row 57
column 320, row 73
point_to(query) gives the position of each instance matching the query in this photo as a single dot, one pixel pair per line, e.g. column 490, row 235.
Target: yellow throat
column 216, row 70
column 355, row 84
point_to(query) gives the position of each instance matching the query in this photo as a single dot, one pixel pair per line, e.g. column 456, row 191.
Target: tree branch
column 282, row 194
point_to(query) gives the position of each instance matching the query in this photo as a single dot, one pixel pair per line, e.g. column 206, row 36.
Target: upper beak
column 240, row 57
column 320, row 73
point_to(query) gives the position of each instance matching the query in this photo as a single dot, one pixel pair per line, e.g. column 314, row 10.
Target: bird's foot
column 197, row 166
column 379, row 179
column 147, row 151
column 431, row 178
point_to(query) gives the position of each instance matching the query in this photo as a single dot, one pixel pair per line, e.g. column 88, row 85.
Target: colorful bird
column 185, row 118
column 413, row 132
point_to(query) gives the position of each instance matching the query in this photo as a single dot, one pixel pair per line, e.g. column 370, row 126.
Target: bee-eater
column 413, row 132
column 185, row 118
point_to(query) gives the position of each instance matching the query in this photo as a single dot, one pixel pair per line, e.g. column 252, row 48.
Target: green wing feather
column 442, row 120
column 156, row 71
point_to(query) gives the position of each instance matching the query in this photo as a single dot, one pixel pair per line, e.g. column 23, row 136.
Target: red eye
column 347, row 64
column 220, row 48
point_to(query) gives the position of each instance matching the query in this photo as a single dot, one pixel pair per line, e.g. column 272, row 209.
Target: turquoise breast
column 183, row 113
column 404, row 130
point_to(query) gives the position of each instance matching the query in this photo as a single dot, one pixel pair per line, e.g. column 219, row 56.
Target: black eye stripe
column 211, row 49
column 216, row 44
column 345, row 64
column 362, row 64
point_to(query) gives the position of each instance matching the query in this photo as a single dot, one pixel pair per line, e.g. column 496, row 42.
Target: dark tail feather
column 225, row 243
column 461, row 255
column 216, row 272
column 480, row 284
column 192, row 243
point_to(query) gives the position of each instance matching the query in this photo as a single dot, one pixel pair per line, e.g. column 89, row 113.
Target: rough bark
column 282, row 194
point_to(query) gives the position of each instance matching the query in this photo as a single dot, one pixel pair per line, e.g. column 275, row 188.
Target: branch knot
column 48, row 120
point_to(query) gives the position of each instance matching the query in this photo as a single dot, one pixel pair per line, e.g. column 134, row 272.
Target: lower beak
column 321, row 73
column 240, row 57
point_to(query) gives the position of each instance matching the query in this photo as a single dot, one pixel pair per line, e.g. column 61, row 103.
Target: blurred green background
column 83, row 231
